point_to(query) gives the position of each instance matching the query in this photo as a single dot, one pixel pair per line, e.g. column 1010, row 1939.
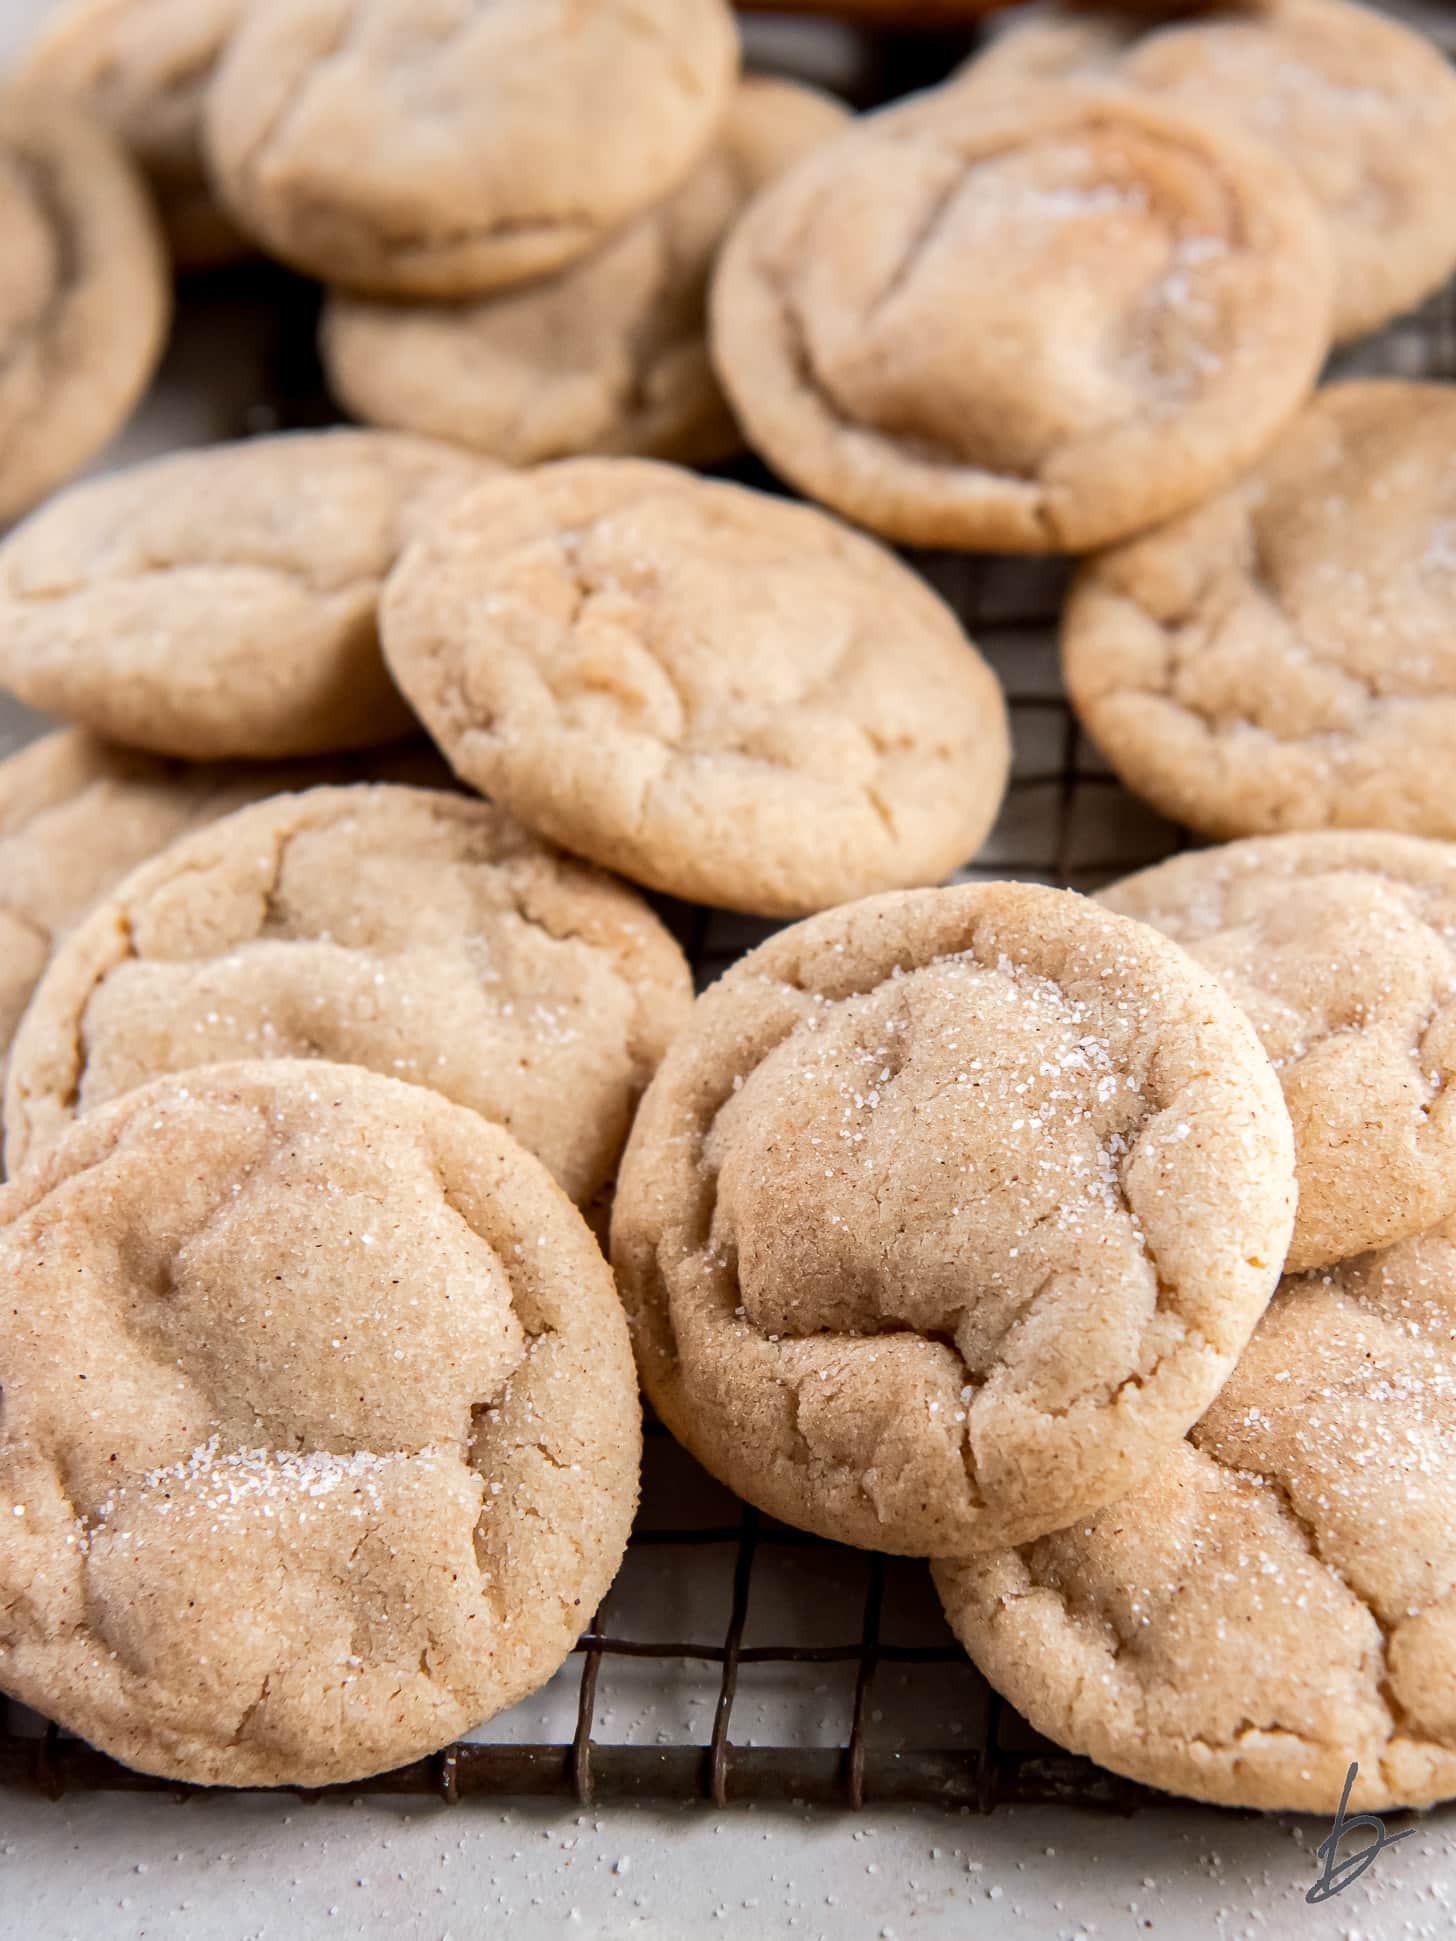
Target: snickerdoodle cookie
column 1279, row 1600
column 611, row 354
column 223, row 602
column 84, row 296
column 142, row 67
column 357, row 1449
column 1284, row 657
column 1036, row 323
column 424, row 935
column 949, row 1213
column 723, row 695
column 77, row 814
column 1362, row 108
column 1341, row 950
column 449, row 148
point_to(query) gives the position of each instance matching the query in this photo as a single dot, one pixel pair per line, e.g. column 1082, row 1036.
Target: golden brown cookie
column 1341, row 950
column 222, row 602
column 718, row 693
column 424, row 935
column 77, row 814
column 447, row 149
column 1362, row 108
column 611, row 354
column 84, row 296
column 141, row 67
column 1277, row 1601
column 1284, row 657
column 949, row 1213
column 359, row 1445
column 1034, row 324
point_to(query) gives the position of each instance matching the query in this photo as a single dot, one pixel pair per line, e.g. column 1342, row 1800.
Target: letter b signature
column 1339, row 1874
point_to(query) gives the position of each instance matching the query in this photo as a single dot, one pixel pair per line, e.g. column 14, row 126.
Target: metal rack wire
column 1067, row 822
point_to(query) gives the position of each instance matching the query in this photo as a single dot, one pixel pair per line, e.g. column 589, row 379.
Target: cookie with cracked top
column 1341, row 949
column 1277, row 1601
column 444, row 149
column 424, row 935
column 360, row 1444
column 1283, row 657
column 721, row 694
column 949, row 1213
column 1032, row 324
column 222, row 603
column 85, row 297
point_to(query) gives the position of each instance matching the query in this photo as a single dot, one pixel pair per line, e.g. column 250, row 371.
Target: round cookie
column 1359, row 105
column 722, row 695
column 949, row 1213
column 77, row 814
column 222, row 602
column 141, row 67
column 1341, row 950
column 424, row 935
column 1280, row 1599
column 1284, row 657
column 360, row 1442
column 85, row 298
column 449, row 149
column 1034, row 324
column 611, row 354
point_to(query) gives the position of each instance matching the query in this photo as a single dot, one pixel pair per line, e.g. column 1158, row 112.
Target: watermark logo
column 1339, row 1874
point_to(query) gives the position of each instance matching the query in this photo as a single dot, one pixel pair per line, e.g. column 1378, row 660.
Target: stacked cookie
column 1099, row 1250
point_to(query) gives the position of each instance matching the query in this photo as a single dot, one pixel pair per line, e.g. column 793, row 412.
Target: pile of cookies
column 1102, row 1250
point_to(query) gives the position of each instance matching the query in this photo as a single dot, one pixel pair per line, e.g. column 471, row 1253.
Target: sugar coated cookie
column 442, row 148
column 424, row 935
column 1341, row 950
column 1284, row 657
column 142, row 67
column 359, row 1444
column 1362, row 107
column 223, row 602
column 1033, row 324
column 723, row 695
column 611, row 354
column 84, row 296
column 949, row 1213
column 1276, row 1602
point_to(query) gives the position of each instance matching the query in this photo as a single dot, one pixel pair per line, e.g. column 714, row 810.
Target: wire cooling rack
column 736, row 1659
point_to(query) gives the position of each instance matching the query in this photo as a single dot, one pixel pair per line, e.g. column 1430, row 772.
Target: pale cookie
column 84, row 296
column 611, row 354
column 1034, row 324
column 424, row 935
column 223, row 602
column 1285, row 656
column 1341, row 951
column 720, row 694
column 1280, row 1599
column 1360, row 106
column 77, row 814
column 444, row 148
column 142, row 67
column 359, row 1443
column 949, row 1213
